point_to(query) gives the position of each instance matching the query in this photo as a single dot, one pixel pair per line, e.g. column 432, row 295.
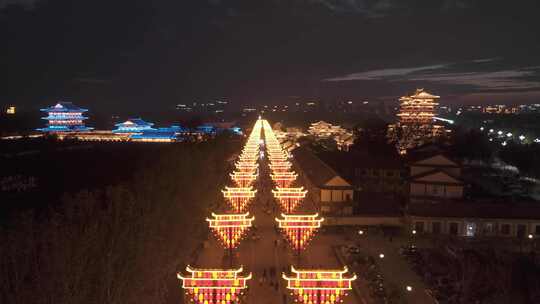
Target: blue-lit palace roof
column 133, row 125
column 64, row 106
column 171, row 133
column 214, row 128
column 64, row 117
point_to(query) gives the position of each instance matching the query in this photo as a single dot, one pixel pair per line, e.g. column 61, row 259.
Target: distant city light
column 504, row 143
column 508, row 134
column 491, row 130
column 381, row 255
column 500, row 132
column 481, row 128
column 409, row 288
column 361, row 232
column 521, row 137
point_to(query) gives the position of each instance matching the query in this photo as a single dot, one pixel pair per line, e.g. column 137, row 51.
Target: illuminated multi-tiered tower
column 64, row 117
column 417, row 109
column 415, row 121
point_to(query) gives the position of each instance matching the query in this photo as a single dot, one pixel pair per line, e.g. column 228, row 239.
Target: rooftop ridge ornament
column 204, row 286
column 319, row 286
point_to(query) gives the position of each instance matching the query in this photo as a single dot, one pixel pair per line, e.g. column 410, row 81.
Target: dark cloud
column 136, row 51
column 24, row 3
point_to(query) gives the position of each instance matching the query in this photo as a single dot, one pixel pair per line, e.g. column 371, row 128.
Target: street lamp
column 361, row 232
column 409, row 288
column 381, row 255
column 530, row 236
column 414, row 231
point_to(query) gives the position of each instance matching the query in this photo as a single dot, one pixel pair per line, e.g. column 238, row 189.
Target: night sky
column 142, row 54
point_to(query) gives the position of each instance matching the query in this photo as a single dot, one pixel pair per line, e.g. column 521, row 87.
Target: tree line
column 120, row 243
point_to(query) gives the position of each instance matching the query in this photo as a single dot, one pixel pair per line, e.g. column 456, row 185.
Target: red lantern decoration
column 319, row 286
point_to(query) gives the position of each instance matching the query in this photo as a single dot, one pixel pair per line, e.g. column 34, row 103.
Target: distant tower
column 415, row 125
column 64, row 117
column 417, row 109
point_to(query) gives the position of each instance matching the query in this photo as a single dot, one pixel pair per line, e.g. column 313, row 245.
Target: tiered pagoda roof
column 418, row 109
column 133, row 125
column 64, row 117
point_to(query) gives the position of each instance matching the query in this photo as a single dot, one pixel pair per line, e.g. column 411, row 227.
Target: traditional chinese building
column 434, row 178
column 64, row 117
column 133, row 125
column 415, row 125
column 331, row 193
column 418, row 108
column 323, row 130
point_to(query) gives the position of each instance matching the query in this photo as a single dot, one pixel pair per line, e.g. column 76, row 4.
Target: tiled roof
column 315, row 169
column 64, row 106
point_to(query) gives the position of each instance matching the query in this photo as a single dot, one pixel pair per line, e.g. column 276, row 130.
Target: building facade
column 415, row 125
column 64, row 117
column 323, row 130
column 330, row 193
column 133, row 125
column 475, row 219
column 435, row 178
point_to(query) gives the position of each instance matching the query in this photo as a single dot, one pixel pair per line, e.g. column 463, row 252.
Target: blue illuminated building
column 207, row 129
column 211, row 129
column 134, row 125
column 172, row 133
column 236, row 130
column 64, row 117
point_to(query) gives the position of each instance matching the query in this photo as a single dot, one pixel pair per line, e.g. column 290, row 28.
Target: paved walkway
column 395, row 269
column 271, row 250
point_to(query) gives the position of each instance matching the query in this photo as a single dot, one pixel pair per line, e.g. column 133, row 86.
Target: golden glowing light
column 319, row 286
column 230, row 228
column 299, row 229
column 214, row 286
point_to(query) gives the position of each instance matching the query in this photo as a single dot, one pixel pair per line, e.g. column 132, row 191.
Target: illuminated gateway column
column 230, row 229
column 319, row 286
column 227, row 286
column 289, row 198
column 299, row 229
column 239, row 198
column 243, row 180
column 283, row 179
column 214, row 286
